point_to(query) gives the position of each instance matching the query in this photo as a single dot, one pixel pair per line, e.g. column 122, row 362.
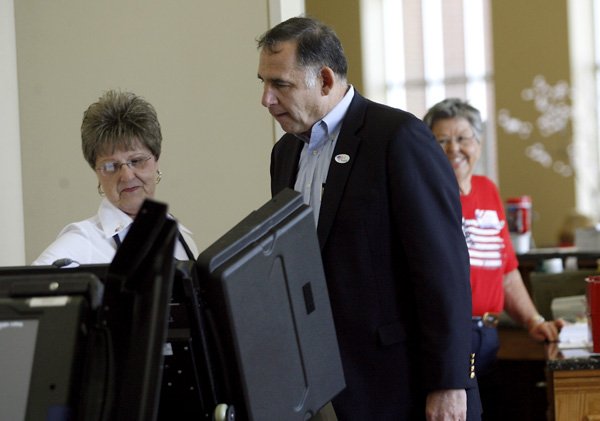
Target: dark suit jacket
column 396, row 263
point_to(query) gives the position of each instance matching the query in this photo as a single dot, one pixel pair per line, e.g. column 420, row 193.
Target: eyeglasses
column 111, row 168
column 461, row 140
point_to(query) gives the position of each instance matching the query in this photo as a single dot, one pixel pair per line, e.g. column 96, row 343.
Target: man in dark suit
column 388, row 218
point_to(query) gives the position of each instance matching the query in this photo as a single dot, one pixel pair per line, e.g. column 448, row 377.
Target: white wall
column 194, row 61
column 12, row 243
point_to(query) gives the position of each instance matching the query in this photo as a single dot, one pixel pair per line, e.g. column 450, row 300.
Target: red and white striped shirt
column 490, row 249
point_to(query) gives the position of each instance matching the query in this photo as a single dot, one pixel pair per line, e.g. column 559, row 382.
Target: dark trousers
column 485, row 345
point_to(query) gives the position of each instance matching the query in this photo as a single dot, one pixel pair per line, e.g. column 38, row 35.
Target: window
column 434, row 49
column 584, row 46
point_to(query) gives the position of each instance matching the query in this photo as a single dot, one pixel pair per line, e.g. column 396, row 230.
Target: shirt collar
column 112, row 219
column 328, row 127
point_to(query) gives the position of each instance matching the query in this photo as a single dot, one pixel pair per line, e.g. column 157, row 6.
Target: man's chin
column 285, row 125
column 287, row 129
column 291, row 129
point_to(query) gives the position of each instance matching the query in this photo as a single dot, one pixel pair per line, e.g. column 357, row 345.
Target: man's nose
column 268, row 97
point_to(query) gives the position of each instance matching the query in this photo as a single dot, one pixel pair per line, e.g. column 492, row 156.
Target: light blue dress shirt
column 317, row 152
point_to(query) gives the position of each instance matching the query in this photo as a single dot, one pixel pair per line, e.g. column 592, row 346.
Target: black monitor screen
column 17, row 346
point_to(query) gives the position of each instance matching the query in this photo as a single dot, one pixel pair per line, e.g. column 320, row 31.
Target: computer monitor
column 139, row 283
column 267, row 299
column 80, row 349
column 43, row 324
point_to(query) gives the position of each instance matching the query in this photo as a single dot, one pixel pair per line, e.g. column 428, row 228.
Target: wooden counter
column 517, row 345
column 574, row 386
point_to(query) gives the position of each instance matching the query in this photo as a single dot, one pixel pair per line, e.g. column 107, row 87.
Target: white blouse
column 91, row 241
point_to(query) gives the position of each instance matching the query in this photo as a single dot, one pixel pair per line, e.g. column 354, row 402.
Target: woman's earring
column 159, row 176
column 100, row 191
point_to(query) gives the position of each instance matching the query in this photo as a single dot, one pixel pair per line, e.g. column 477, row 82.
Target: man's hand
column 446, row 405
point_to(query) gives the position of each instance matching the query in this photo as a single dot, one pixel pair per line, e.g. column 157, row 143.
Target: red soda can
column 518, row 214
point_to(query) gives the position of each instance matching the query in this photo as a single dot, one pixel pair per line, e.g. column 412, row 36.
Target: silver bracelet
column 535, row 320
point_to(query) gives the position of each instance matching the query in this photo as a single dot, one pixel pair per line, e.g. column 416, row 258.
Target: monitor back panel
column 278, row 322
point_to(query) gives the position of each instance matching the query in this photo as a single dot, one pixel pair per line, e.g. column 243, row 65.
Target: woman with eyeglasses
column 121, row 141
column 496, row 282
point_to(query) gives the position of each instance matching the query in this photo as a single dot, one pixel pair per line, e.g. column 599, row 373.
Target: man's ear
column 327, row 78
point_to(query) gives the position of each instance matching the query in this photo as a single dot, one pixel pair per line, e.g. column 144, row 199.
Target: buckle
column 490, row 319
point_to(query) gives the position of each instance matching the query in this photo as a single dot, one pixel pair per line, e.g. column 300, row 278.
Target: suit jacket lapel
column 337, row 177
column 285, row 168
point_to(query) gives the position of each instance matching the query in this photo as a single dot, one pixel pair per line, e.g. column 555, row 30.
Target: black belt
column 487, row 320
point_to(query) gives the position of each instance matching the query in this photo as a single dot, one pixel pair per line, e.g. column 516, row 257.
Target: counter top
column 583, row 363
column 552, row 252
column 571, row 358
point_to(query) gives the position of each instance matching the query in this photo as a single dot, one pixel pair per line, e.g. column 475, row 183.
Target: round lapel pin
column 342, row 158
